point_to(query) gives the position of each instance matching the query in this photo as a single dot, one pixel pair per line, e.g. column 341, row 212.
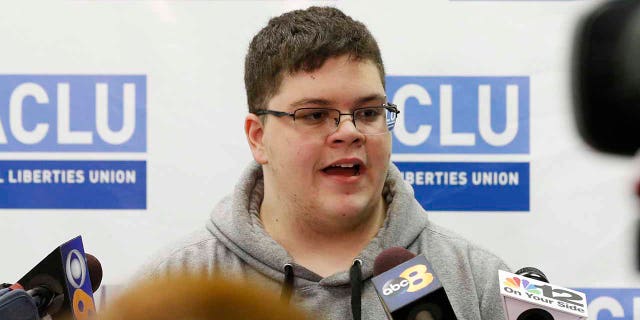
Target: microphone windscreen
column 95, row 271
column 533, row 273
column 390, row 258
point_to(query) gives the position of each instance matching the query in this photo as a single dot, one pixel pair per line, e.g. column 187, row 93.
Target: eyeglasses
column 368, row 120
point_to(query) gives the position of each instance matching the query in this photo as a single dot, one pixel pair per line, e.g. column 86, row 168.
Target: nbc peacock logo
column 516, row 283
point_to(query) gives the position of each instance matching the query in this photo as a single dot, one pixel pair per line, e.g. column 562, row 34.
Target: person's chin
column 351, row 206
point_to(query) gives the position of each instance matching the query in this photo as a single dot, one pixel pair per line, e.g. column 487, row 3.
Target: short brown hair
column 198, row 296
column 302, row 40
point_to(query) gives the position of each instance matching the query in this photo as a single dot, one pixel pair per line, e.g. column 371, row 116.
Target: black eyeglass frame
column 390, row 107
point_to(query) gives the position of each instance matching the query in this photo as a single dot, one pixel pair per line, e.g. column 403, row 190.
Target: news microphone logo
column 522, row 294
column 515, row 283
column 406, row 283
column 79, row 286
column 411, row 279
column 76, row 268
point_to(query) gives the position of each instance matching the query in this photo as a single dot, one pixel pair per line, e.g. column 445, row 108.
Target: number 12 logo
column 561, row 295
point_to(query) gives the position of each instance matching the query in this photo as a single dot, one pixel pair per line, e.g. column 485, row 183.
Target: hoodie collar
column 235, row 222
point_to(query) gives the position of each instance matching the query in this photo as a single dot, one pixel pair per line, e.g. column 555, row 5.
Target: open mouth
column 345, row 169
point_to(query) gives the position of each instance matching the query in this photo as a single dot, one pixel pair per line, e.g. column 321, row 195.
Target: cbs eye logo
column 411, row 279
column 76, row 268
column 76, row 272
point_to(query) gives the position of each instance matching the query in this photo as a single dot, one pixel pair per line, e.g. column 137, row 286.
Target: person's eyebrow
column 375, row 97
column 311, row 101
column 371, row 98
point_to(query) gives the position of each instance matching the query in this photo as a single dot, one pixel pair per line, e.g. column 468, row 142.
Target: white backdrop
column 580, row 229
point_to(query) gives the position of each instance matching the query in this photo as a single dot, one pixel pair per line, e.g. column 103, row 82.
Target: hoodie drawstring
column 355, row 276
column 287, row 288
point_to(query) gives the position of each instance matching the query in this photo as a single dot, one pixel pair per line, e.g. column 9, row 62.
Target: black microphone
column 527, row 295
column 606, row 77
column 62, row 284
column 408, row 287
column 46, row 295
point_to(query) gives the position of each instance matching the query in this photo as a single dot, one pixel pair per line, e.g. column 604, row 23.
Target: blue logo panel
column 469, row 186
column 612, row 303
column 73, row 184
column 398, row 291
column 460, row 115
column 72, row 253
column 73, row 113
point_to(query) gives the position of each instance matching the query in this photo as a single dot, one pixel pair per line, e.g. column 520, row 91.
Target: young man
column 322, row 199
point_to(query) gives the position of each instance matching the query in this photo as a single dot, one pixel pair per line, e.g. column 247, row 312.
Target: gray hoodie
column 235, row 244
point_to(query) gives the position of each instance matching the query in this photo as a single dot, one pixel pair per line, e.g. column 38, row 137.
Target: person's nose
column 346, row 132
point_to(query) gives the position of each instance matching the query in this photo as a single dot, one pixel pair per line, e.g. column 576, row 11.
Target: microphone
column 606, row 77
column 16, row 303
column 527, row 295
column 408, row 288
column 60, row 284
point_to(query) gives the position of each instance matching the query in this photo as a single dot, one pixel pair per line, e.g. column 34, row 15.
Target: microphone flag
column 64, row 271
column 407, row 283
column 521, row 295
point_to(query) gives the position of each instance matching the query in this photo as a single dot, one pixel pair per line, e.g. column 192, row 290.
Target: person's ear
column 254, row 130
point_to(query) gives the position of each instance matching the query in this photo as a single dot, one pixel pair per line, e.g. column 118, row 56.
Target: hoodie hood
column 235, row 222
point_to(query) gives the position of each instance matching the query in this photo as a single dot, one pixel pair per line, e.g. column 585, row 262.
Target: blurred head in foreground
column 195, row 297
